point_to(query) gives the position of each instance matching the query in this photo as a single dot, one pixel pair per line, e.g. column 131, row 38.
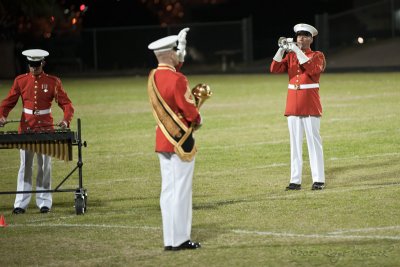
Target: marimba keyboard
column 55, row 144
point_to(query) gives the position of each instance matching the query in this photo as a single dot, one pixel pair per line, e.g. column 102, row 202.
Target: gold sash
column 177, row 133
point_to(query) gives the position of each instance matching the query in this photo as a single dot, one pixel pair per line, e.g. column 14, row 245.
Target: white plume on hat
column 35, row 54
column 164, row 44
column 305, row 27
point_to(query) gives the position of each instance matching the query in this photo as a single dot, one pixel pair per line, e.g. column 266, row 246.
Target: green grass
column 242, row 215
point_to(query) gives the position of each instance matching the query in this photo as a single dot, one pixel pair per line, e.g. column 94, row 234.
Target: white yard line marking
column 372, row 229
column 115, row 226
column 335, row 235
column 319, row 236
column 368, row 156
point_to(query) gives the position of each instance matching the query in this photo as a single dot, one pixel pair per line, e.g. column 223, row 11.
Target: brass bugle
column 201, row 93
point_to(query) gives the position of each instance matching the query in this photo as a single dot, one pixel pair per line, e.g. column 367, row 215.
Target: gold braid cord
column 170, row 124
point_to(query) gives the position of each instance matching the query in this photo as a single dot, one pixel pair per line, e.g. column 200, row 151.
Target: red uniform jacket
column 37, row 93
column 302, row 102
column 174, row 89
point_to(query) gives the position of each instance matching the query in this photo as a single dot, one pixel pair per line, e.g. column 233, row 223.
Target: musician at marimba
column 37, row 91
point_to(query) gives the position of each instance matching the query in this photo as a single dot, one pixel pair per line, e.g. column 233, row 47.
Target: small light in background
column 82, row 7
column 360, row 40
column 74, row 21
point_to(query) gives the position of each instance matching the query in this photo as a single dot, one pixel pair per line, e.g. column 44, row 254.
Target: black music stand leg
column 80, row 193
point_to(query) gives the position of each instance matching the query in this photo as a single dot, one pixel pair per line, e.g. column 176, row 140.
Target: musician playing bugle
column 303, row 106
column 177, row 116
column 37, row 91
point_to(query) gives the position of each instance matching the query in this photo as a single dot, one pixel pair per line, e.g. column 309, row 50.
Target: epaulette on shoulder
column 21, row 76
column 52, row 77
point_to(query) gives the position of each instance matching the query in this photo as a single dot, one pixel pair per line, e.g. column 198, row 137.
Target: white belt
column 37, row 111
column 303, row 86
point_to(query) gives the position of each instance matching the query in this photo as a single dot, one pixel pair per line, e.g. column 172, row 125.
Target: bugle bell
column 201, row 93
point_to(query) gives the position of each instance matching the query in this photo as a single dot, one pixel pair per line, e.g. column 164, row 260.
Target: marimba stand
column 80, row 192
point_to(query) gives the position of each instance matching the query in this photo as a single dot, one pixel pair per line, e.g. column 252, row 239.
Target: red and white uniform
column 174, row 89
column 177, row 175
column 302, row 101
column 303, row 110
column 37, row 94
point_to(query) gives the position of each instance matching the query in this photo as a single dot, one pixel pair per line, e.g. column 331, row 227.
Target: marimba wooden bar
column 56, row 144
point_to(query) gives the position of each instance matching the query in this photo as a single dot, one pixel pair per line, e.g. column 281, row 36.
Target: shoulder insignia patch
column 188, row 96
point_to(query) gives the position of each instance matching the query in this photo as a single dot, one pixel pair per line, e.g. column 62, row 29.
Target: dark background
column 67, row 28
column 269, row 17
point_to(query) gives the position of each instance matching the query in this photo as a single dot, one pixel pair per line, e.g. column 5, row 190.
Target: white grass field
column 241, row 213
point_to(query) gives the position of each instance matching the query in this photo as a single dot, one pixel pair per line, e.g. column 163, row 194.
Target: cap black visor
column 304, row 33
column 34, row 63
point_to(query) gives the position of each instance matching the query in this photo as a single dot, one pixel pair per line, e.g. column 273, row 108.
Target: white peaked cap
column 164, row 44
column 305, row 27
column 35, row 54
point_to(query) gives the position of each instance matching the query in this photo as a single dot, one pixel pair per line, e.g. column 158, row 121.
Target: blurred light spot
column 360, row 40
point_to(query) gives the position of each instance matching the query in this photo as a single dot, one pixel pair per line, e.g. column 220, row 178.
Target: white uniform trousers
column 176, row 198
column 43, row 180
column 311, row 125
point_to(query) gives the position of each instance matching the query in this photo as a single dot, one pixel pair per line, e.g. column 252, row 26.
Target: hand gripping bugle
column 284, row 42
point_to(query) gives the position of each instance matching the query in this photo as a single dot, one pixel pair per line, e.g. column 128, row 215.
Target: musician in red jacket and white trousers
column 176, row 104
column 303, row 106
column 37, row 91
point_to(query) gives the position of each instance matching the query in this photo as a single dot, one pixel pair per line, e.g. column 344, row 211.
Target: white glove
column 3, row 121
column 300, row 55
column 181, row 55
column 182, row 44
column 279, row 54
column 63, row 124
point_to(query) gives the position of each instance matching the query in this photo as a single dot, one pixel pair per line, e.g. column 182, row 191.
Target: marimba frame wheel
column 80, row 201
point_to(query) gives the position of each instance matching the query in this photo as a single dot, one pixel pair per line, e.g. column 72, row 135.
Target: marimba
column 55, row 144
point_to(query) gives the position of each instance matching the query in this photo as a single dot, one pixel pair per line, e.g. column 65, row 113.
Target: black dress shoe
column 317, row 186
column 293, row 187
column 18, row 211
column 187, row 245
column 44, row 209
column 168, row 248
